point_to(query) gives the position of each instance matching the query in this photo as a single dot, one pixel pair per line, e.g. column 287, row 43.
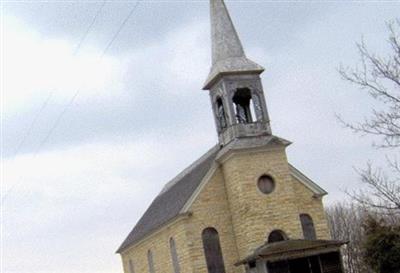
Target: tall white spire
column 228, row 56
column 225, row 40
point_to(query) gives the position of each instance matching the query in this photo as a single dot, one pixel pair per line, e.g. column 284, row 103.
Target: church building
column 241, row 207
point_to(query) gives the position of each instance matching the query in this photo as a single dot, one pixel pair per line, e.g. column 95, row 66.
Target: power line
column 121, row 27
column 33, row 123
column 46, row 102
column 59, row 117
column 90, row 27
column 72, row 100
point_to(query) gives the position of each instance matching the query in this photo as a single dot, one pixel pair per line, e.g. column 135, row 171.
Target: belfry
column 235, row 86
column 241, row 207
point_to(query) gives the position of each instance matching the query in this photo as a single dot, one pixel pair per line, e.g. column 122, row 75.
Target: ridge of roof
column 188, row 169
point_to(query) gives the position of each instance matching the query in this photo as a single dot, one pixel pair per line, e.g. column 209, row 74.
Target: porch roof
column 291, row 249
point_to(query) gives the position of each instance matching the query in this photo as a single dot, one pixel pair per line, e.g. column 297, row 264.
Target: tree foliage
column 382, row 246
column 373, row 238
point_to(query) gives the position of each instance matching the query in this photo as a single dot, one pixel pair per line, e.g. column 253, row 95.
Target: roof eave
column 332, row 245
column 182, row 215
column 314, row 187
column 214, row 77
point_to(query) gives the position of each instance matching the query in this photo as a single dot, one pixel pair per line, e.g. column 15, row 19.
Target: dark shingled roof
column 172, row 198
column 291, row 248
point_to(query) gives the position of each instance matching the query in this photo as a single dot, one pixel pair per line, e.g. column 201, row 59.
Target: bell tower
column 236, row 92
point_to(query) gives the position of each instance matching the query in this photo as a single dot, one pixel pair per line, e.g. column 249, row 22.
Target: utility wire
column 33, row 123
column 78, row 47
column 72, row 100
column 121, row 27
column 46, row 102
column 59, row 117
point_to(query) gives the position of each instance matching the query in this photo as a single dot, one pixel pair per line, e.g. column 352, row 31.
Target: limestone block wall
column 254, row 214
column 158, row 243
column 211, row 209
column 313, row 206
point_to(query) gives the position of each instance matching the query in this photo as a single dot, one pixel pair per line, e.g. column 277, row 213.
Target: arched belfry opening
column 239, row 109
column 257, row 110
column 244, row 110
column 221, row 116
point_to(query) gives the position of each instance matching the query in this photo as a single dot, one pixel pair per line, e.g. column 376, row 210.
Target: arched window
column 174, row 255
column 243, row 105
column 131, row 267
column 307, row 225
column 221, row 114
column 212, row 251
column 150, row 261
column 276, row 236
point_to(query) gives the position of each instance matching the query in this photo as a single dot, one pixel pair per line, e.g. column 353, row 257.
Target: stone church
column 241, row 207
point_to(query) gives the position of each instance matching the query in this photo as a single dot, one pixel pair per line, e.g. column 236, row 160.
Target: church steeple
column 227, row 51
column 234, row 83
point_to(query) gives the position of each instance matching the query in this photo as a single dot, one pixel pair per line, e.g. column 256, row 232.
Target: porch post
column 261, row 266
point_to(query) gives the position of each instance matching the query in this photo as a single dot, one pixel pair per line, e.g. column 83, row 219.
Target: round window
column 266, row 184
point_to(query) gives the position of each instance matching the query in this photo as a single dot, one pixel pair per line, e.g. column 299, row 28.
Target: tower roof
column 228, row 56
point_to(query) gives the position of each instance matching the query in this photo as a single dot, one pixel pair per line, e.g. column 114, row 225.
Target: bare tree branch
column 380, row 78
column 381, row 193
column 345, row 223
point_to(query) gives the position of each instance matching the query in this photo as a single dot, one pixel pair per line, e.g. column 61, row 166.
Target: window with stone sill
column 307, row 225
column 150, row 261
column 212, row 251
column 174, row 255
column 131, row 266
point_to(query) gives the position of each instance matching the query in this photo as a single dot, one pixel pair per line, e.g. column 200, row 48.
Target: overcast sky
column 72, row 192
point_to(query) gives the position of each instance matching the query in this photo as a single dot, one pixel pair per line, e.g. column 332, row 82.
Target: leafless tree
column 345, row 223
column 382, row 191
column 379, row 77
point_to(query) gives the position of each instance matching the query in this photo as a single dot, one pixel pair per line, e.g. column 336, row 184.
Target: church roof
column 228, row 56
column 169, row 203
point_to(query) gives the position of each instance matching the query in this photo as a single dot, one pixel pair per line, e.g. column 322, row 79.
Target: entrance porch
column 295, row 256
